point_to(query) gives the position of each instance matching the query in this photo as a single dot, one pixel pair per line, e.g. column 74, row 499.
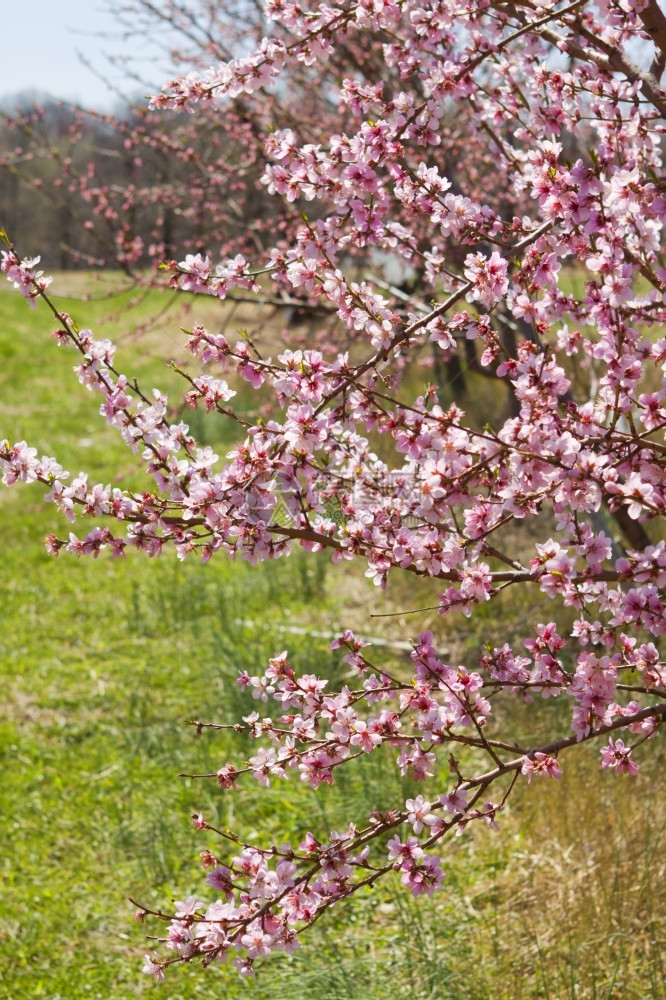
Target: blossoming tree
column 417, row 487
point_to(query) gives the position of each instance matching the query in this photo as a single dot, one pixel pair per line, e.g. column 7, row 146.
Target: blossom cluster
column 347, row 460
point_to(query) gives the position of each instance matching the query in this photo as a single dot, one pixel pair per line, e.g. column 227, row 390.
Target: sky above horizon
column 43, row 45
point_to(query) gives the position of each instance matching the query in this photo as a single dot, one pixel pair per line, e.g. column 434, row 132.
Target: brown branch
column 654, row 22
column 552, row 749
column 608, row 59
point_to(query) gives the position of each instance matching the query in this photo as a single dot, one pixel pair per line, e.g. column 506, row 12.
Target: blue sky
column 39, row 45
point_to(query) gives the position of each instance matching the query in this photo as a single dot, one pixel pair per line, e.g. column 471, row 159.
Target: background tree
column 127, row 190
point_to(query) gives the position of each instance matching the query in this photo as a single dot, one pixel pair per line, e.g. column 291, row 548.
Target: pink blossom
column 542, row 765
column 419, row 813
column 488, row 277
column 187, row 907
column 617, row 756
column 151, row 968
column 425, row 878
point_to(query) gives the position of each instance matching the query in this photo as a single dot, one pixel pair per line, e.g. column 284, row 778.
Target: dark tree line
column 124, row 191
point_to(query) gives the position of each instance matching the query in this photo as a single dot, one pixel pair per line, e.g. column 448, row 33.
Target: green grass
column 103, row 663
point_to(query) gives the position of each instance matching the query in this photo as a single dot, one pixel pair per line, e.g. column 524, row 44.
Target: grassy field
column 103, row 663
